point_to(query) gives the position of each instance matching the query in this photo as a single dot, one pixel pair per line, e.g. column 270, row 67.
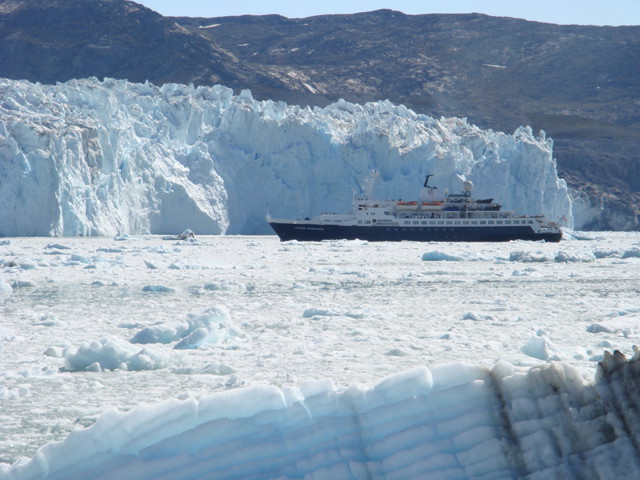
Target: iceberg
column 90, row 157
column 451, row 421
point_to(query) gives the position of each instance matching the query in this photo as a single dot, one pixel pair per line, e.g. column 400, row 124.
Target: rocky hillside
column 580, row 84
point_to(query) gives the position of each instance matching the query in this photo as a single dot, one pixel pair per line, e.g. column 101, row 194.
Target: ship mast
column 426, row 180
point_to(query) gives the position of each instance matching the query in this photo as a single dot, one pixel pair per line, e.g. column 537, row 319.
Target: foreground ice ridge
column 453, row 421
column 90, row 157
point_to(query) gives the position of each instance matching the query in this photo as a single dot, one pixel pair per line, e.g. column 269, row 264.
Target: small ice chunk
column 57, row 246
column 150, row 265
column 539, row 347
column 54, row 352
column 6, row 333
column 158, row 289
column 598, row 328
column 567, row 256
column 110, row 354
column 94, row 367
column 316, row 312
column 48, row 320
column 396, row 352
column 161, row 333
column 436, row 256
column 186, row 235
column 193, row 340
column 5, row 289
column 632, row 253
column 529, row 257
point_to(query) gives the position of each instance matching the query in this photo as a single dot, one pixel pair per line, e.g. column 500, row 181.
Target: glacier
column 453, row 421
column 92, row 158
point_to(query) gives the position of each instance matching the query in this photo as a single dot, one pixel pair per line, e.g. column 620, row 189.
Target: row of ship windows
column 455, row 222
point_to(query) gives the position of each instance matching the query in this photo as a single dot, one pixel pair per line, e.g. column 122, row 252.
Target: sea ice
column 288, row 386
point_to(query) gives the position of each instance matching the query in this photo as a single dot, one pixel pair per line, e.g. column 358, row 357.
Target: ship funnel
column 467, row 186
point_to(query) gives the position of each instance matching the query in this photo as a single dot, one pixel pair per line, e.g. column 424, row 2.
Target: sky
column 581, row 12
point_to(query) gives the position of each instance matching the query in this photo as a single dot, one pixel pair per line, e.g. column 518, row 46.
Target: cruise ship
column 434, row 217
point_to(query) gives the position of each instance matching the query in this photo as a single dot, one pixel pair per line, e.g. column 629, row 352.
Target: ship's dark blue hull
column 317, row 232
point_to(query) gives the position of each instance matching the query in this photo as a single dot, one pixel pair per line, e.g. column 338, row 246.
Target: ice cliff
column 90, row 157
column 450, row 422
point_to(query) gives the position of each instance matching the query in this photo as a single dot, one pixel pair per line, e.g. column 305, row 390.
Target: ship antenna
column 426, row 180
